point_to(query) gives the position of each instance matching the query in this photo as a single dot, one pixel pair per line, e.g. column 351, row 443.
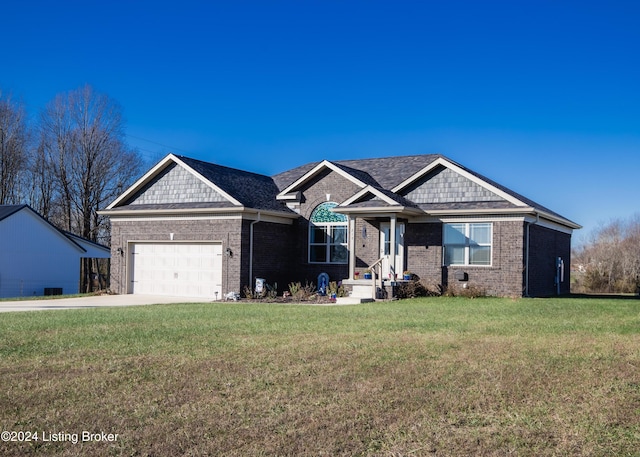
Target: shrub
column 471, row 291
column 300, row 292
column 336, row 288
column 269, row 291
column 413, row 289
column 248, row 292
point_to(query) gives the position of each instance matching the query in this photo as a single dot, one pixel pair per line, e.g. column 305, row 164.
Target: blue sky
column 540, row 96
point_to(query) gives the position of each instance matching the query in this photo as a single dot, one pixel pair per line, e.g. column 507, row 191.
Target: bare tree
column 83, row 147
column 611, row 257
column 41, row 185
column 14, row 139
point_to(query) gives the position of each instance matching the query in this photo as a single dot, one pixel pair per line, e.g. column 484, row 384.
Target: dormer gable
column 292, row 191
column 374, row 200
column 371, row 193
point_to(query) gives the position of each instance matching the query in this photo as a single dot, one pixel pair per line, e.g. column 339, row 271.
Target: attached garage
column 185, row 269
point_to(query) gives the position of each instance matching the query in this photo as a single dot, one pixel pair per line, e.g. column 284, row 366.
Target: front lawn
column 436, row 376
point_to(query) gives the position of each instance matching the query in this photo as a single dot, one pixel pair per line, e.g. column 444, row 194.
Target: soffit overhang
column 528, row 213
column 532, row 213
column 378, row 211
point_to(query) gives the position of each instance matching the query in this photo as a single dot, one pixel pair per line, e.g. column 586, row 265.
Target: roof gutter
column 179, row 211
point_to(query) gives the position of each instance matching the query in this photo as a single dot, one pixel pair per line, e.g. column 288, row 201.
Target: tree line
column 68, row 161
column 609, row 261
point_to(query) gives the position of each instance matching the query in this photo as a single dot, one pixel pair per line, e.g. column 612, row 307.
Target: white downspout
column 352, row 246
column 526, row 280
column 392, row 247
column 251, row 250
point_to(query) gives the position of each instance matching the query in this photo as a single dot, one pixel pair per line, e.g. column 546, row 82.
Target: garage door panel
column 181, row 269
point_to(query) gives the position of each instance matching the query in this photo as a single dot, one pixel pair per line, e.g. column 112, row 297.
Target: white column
column 392, row 247
column 352, row 246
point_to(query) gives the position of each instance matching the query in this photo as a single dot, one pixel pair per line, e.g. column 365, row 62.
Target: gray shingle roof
column 251, row 189
column 259, row 192
column 516, row 195
column 288, row 177
column 388, row 172
column 385, row 172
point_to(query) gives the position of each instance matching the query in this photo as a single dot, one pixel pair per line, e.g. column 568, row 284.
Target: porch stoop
column 361, row 292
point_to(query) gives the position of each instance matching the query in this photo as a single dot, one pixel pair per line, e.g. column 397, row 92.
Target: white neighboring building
column 38, row 259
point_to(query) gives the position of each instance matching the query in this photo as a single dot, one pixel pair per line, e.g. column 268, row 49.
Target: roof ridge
column 388, row 157
column 205, row 163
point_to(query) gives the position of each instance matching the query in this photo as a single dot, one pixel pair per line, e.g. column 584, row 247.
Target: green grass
column 438, row 376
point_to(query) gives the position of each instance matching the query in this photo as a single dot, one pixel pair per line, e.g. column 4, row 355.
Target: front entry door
column 392, row 268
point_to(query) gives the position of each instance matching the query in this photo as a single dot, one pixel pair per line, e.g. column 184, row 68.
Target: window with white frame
column 327, row 235
column 468, row 243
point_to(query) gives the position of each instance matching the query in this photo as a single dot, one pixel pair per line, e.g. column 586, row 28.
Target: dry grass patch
column 421, row 377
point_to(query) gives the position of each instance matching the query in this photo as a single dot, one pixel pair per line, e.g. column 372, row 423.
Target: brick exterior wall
column 367, row 245
column 505, row 276
column 226, row 231
column 315, row 192
column 273, row 254
column 423, row 245
column 280, row 252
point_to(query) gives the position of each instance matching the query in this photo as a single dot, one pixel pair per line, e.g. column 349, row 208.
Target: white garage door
column 180, row 269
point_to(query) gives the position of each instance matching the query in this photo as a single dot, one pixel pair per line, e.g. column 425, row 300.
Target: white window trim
column 467, row 246
column 327, row 243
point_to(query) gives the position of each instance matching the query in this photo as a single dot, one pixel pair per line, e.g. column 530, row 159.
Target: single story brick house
column 193, row 228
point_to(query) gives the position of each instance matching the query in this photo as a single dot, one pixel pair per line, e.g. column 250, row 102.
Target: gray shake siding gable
column 261, row 223
column 445, row 186
column 175, row 185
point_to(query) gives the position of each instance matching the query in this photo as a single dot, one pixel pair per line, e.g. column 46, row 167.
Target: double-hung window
column 327, row 235
column 468, row 243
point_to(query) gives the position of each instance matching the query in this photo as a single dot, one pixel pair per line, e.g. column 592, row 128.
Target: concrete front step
column 360, row 289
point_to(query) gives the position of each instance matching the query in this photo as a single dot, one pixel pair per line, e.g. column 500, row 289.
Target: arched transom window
column 327, row 235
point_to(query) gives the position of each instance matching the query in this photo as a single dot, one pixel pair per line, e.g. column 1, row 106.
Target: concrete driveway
column 95, row 302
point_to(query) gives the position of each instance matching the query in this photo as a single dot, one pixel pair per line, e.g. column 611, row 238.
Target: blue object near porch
column 323, row 282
